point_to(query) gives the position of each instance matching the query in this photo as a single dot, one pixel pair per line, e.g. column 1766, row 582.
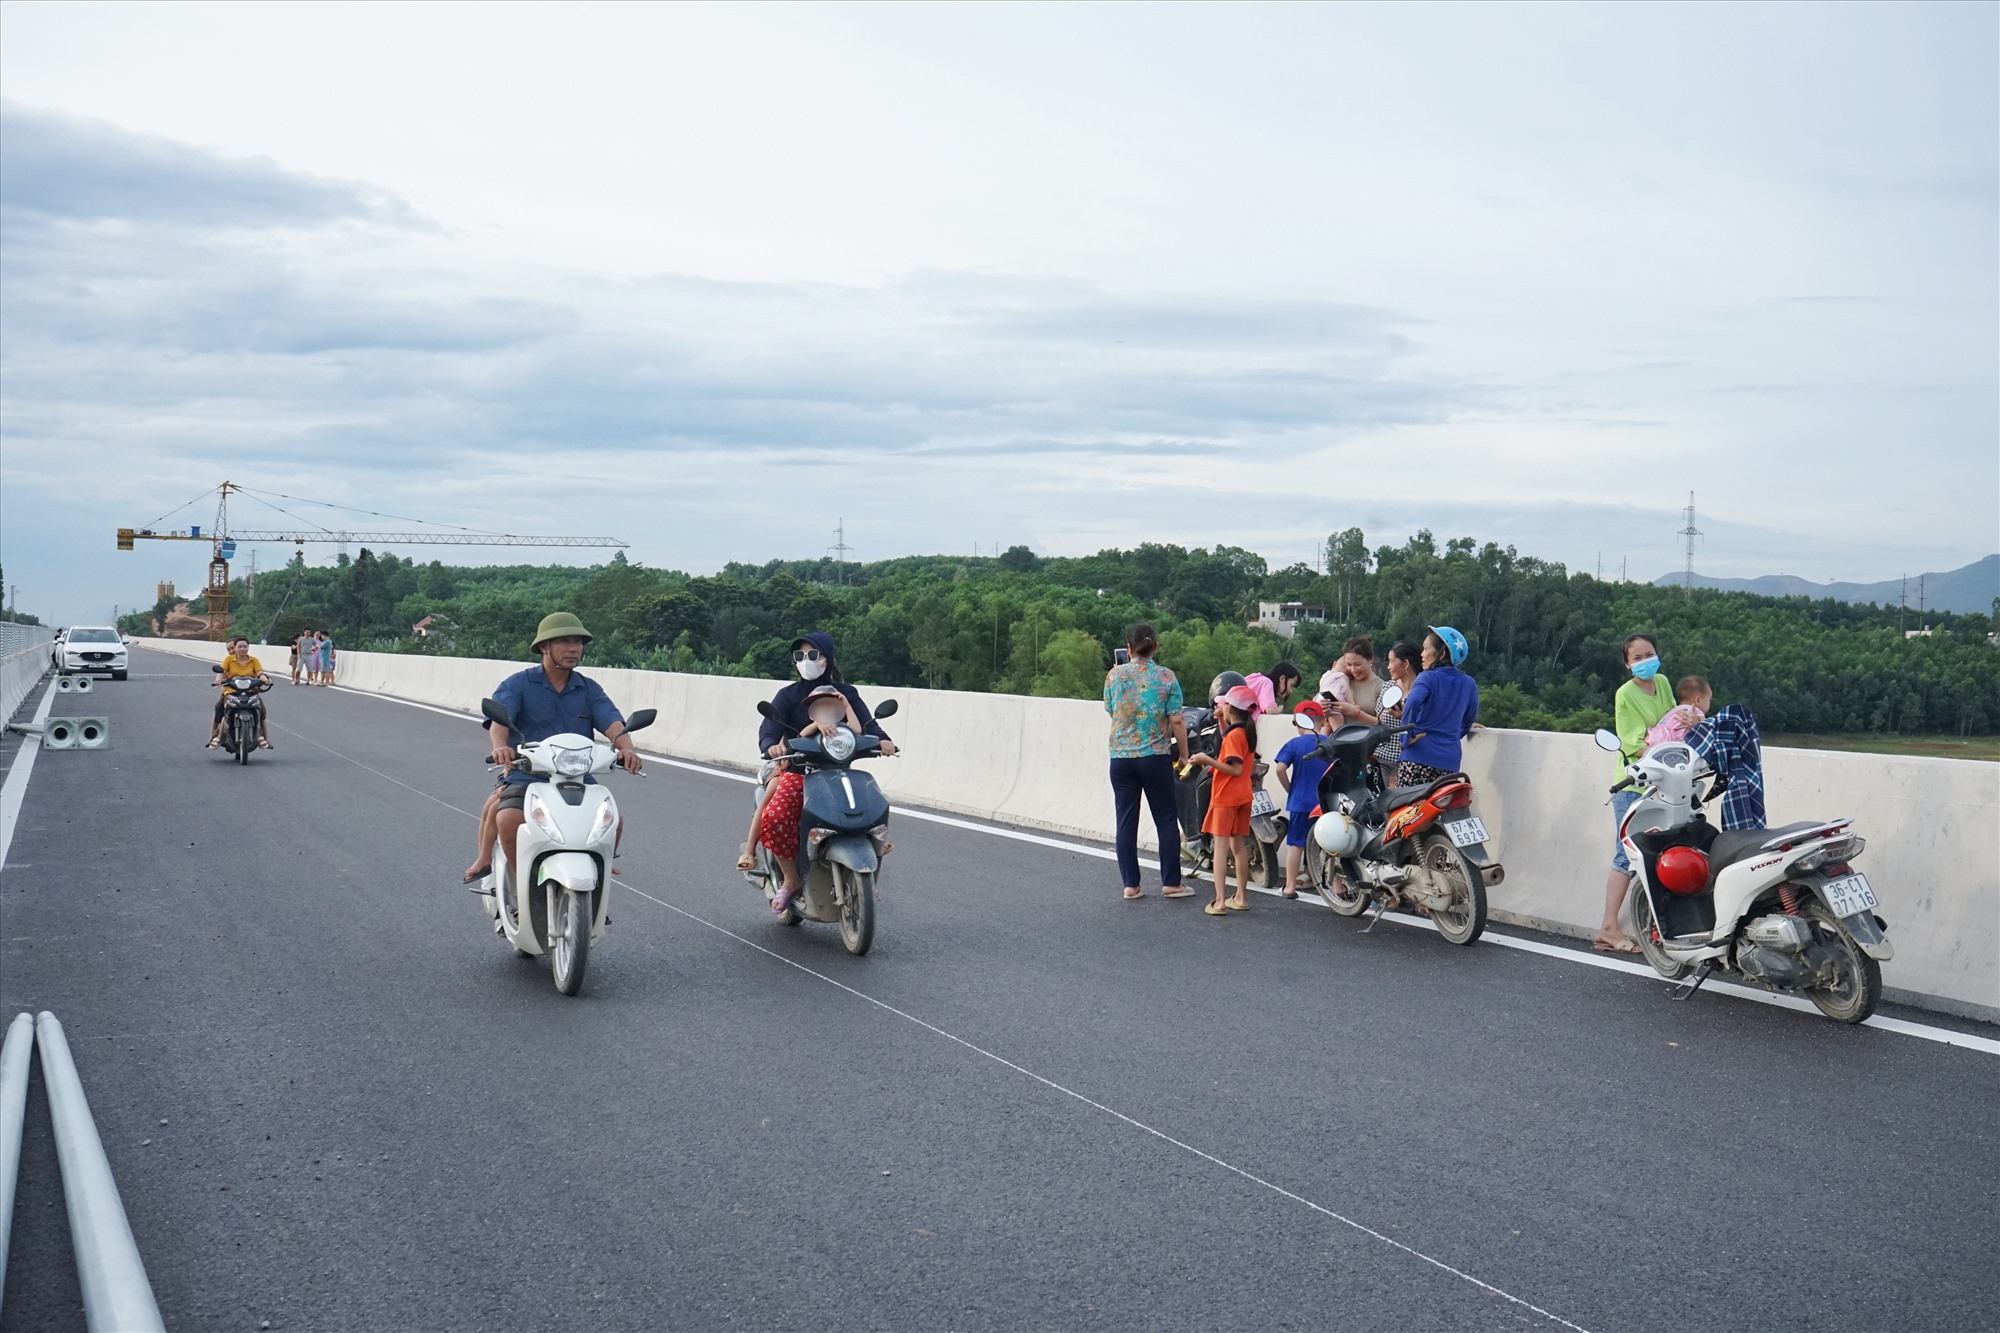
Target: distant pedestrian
column 323, row 658
column 1441, row 709
column 1229, row 797
column 1144, row 700
column 1405, row 661
column 1299, row 768
column 1641, row 704
column 302, row 645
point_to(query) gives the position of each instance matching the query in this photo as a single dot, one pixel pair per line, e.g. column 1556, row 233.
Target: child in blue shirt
column 1299, row 769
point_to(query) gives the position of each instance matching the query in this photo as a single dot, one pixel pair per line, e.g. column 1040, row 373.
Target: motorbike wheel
column 1267, row 862
column 1647, row 932
column 569, row 940
column 243, row 742
column 857, row 912
column 1465, row 920
column 1342, row 894
column 1858, row 988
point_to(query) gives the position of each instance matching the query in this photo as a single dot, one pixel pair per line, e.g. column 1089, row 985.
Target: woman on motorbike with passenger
column 236, row 666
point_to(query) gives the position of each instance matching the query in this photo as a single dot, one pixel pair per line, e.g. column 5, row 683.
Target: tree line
column 1545, row 642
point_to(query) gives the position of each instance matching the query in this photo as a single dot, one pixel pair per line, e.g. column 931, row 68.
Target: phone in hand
column 1120, row 656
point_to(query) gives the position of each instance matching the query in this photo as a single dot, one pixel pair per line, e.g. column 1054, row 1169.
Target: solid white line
column 16, row 786
column 1944, row 1036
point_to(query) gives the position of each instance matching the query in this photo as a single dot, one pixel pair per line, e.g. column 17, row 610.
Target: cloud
column 87, row 170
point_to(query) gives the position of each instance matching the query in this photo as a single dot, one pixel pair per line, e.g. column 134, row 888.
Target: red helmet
column 1683, row 870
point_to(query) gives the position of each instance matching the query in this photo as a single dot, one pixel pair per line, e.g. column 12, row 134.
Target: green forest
column 1545, row 642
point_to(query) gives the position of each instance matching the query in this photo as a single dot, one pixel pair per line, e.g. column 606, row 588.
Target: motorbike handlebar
column 1623, row 785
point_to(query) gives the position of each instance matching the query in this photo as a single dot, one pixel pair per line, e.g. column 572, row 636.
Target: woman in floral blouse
column 1144, row 701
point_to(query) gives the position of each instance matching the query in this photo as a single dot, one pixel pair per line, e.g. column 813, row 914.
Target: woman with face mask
column 1641, row 702
column 812, row 659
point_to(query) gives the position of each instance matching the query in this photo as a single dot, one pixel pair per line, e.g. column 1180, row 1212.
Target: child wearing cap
column 776, row 821
column 1299, row 769
column 1228, row 820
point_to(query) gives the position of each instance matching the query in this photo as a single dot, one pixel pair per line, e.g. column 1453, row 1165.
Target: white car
column 93, row 648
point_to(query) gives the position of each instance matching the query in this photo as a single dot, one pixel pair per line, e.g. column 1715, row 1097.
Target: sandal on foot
column 479, row 874
column 1288, row 893
column 1235, row 906
column 783, row 902
column 1177, row 891
column 1130, row 894
column 265, row 745
column 747, row 861
column 215, row 742
column 1214, row 909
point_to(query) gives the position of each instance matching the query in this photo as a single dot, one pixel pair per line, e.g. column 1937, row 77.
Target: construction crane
column 223, row 539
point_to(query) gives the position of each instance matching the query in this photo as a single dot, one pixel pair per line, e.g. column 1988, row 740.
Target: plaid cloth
column 1729, row 741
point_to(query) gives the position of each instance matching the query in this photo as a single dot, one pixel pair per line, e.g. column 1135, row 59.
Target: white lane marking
column 1140, row 1125
column 16, row 787
column 1944, row 1036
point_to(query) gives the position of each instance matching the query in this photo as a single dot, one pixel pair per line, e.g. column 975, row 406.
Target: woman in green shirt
column 1640, row 704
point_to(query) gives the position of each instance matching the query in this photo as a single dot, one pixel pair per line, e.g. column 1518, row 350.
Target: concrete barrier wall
column 1933, row 825
column 18, row 673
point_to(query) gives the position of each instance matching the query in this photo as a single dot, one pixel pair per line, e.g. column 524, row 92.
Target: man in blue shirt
column 545, row 701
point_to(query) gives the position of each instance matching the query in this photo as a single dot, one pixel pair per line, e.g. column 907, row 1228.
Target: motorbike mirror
column 764, row 707
column 216, row 669
column 495, row 711
column 642, row 719
column 1391, row 696
column 888, row 708
column 1607, row 740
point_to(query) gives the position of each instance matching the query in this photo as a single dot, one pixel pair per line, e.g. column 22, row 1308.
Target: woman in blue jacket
column 1441, row 709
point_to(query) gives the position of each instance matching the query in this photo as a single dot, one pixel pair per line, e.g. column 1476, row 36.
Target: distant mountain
column 1972, row 588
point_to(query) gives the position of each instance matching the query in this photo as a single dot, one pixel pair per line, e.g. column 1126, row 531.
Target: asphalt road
column 333, row 1098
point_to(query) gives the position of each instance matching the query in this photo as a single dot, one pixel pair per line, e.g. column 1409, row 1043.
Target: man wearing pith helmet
column 545, row 701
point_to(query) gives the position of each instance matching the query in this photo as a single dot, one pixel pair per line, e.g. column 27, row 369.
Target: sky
column 711, row 279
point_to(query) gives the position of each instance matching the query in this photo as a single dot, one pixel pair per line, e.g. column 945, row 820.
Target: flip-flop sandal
column 783, row 901
column 1132, row 894
column 1177, row 891
column 472, row 875
column 1288, row 893
column 747, row 861
column 215, row 743
column 266, row 745
column 1214, row 909
column 1625, row 946
column 1237, row 907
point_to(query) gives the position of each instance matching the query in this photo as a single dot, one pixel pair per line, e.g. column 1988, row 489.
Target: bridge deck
column 333, row 1099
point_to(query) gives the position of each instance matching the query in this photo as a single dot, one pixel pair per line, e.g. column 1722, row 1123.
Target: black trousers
column 1152, row 776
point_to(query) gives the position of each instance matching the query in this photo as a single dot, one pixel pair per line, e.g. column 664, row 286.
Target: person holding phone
column 1144, row 700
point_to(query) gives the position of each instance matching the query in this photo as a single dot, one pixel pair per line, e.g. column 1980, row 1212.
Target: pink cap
column 1242, row 698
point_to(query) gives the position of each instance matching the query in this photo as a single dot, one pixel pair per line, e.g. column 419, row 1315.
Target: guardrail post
column 116, row 1294
column 13, row 1111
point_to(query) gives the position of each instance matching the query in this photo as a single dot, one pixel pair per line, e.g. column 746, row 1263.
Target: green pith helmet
column 558, row 625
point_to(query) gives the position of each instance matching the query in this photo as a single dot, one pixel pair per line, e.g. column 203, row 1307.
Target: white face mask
column 812, row 668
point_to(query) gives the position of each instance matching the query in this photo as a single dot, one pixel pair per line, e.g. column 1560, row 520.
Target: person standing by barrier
column 1405, row 661
column 323, row 659
column 1300, row 767
column 299, row 642
column 1229, row 798
column 1441, row 710
column 1640, row 705
column 1144, row 700
column 1274, row 686
column 1357, row 689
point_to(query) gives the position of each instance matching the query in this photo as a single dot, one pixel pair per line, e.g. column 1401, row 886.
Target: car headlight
column 839, row 746
column 572, row 763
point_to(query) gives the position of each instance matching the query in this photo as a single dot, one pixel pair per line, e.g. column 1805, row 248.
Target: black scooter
column 843, row 832
column 1267, row 822
column 241, row 713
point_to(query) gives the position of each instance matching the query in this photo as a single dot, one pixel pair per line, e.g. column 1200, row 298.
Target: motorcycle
column 1781, row 908
column 1267, row 821
column 843, row 833
column 1383, row 846
column 552, row 898
column 239, row 714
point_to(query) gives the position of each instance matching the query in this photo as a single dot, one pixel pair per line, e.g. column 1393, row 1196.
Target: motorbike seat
column 1398, row 797
column 1742, row 844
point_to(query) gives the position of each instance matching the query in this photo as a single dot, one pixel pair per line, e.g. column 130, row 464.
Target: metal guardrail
column 14, row 637
column 116, row 1294
column 13, row 1111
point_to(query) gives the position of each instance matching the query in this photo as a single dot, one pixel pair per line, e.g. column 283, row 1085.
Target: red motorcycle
column 1418, row 846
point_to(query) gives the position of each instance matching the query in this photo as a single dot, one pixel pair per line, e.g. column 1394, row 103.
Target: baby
column 1693, row 697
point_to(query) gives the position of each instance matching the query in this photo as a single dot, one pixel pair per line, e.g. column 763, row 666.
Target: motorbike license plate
column 1262, row 804
column 1850, row 894
column 1466, row 832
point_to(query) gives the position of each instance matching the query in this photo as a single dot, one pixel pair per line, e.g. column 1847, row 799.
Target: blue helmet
column 1454, row 643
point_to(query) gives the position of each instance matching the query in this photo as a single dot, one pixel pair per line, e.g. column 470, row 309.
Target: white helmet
column 1337, row 834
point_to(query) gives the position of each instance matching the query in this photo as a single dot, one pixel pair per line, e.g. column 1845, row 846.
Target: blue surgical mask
column 1646, row 667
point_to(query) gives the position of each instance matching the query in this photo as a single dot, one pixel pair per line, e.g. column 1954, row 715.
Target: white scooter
column 1781, row 907
column 553, row 901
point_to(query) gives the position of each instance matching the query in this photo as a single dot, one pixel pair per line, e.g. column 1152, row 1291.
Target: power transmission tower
column 1688, row 534
column 840, row 549
column 1903, row 611
column 1921, row 622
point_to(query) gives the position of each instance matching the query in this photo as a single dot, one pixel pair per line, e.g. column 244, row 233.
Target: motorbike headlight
column 539, row 816
column 572, row 763
column 839, row 746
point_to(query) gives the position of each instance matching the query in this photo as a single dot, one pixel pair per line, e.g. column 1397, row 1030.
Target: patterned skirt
column 1416, row 775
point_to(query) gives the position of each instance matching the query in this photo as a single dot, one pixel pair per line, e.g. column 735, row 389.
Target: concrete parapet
column 1933, row 825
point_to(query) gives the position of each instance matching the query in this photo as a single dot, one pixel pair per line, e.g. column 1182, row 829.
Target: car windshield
column 93, row 636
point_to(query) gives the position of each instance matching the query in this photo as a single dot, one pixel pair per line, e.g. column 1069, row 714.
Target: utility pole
column 1921, row 622
column 1600, row 566
column 1688, row 534
column 840, row 550
column 1903, row 611
column 1621, row 568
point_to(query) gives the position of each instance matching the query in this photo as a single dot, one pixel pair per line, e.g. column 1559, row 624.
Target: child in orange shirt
column 1228, row 820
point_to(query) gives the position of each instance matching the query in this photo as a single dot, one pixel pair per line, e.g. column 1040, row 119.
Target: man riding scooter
column 545, row 701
